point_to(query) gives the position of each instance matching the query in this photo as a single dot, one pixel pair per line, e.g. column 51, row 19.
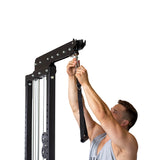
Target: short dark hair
column 131, row 112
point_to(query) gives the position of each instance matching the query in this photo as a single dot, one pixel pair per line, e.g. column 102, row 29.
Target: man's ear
column 125, row 123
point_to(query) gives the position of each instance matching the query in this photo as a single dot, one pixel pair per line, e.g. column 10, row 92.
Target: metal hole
column 52, row 77
column 69, row 49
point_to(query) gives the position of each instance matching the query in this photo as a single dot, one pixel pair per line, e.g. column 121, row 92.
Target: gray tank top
column 106, row 153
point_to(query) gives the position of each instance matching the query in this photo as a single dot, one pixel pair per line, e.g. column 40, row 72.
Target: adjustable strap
column 83, row 128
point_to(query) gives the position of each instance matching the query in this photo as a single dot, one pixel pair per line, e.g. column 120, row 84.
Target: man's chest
column 101, row 145
column 118, row 153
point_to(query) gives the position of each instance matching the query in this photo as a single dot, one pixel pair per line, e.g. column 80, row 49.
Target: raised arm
column 73, row 100
column 120, row 136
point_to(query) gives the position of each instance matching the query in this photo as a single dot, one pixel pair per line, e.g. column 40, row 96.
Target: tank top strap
column 99, row 137
column 95, row 143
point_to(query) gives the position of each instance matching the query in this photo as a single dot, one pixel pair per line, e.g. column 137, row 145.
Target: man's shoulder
column 131, row 148
column 129, row 152
column 97, row 130
column 132, row 139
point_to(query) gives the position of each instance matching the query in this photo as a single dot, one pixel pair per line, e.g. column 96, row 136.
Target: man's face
column 118, row 112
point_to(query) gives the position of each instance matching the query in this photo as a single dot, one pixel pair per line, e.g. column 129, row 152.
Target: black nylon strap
column 83, row 128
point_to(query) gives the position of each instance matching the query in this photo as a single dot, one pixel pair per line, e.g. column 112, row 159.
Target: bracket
column 45, row 70
column 43, row 62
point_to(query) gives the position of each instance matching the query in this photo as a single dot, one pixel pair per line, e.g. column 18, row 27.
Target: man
column 111, row 139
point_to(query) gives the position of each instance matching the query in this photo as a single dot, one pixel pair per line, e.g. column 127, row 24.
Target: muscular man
column 111, row 139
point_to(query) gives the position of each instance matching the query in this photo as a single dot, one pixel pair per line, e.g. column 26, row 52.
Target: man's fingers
column 71, row 64
column 78, row 62
column 83, row 68
column 80, row 71
column 78, row 75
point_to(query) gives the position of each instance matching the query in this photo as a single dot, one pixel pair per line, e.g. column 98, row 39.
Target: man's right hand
column 71, row 67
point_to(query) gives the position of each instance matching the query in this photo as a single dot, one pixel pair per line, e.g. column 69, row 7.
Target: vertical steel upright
column 40, row 145
column 28, row 119
column 51, row 111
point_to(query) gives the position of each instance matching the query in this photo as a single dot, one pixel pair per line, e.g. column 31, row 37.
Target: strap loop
column 83, row 128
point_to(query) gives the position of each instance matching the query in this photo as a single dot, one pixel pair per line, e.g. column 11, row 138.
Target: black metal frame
column 28, row 119
column 44, row 66
column 51, row 111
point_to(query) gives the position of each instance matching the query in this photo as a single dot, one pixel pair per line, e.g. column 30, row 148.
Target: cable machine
column 40, row 103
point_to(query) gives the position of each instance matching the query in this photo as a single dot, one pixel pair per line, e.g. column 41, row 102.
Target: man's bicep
column 90, row 123
column 118, row 134
column 93, row 128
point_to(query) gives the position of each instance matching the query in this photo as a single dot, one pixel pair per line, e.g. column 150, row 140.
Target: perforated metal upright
column 40, row 103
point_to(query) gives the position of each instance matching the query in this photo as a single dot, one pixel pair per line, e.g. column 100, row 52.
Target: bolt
column 52, row 77
column 69, row 49
column 52, row 57
column 47, row 59
column 64, row 52
column 46, row 70
column 39, row 73
column 57, row 54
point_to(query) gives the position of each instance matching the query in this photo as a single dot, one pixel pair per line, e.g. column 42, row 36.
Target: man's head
column 125, row 114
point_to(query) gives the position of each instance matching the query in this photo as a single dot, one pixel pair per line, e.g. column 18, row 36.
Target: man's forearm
column 72, row 93
column 97, row 105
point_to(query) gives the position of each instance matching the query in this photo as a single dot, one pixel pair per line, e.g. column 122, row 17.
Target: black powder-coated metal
column 44, row 66
column 51, row 111
column 28, row 119
column 42, row 63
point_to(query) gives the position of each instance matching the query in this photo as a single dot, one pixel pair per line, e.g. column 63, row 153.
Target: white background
column 121, row 56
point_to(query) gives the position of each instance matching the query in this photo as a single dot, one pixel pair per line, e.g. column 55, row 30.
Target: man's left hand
column 82, row 75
